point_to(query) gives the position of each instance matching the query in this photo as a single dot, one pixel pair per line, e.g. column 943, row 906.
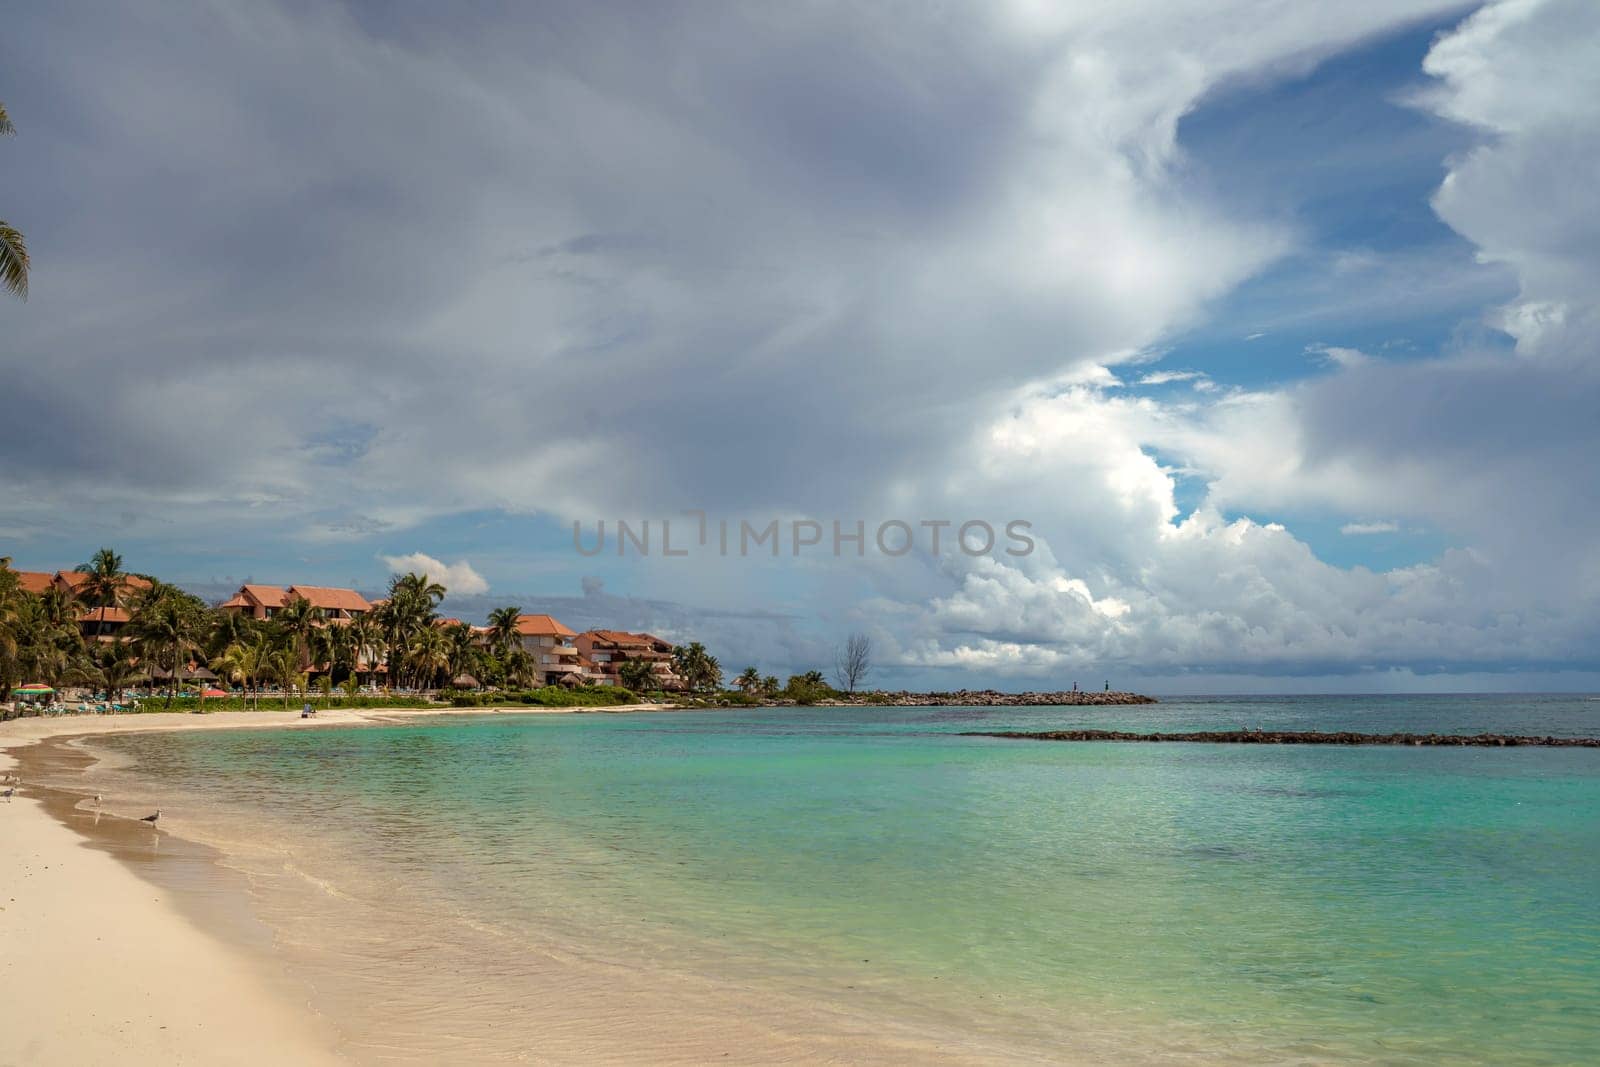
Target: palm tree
column 13, row 249
column 503, row 628
column 769, row 685
column 464, row 652
column 418, row 586
column 749, row 680
column 520, row 666
column 283, row 666
column 337, row 649
column 247, row 663
column 427, row 655
column 44, row 648
column 104, row 585
column 697, row 667
column 168, row 624
column 9, row 638
column 228, row 628
column 637, row 675
column 299, row 621
column 230, row 665
column 366, row 641
column 110, row 669
column 409, row 612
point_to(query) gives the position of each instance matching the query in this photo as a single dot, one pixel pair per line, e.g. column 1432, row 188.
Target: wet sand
column 140, row 946
column 101, row 967
column 123, row 943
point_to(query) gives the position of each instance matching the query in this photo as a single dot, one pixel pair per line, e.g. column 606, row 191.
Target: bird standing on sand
column 10, row 789
column 151, row 819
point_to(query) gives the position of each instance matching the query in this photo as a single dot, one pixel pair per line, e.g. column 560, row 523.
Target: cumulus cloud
column 813, row 260
column 458, row 578
column 661, row 232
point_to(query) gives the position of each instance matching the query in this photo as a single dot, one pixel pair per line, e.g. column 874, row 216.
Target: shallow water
column 999, row 899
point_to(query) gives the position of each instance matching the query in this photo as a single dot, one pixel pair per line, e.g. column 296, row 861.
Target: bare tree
column 853, row 662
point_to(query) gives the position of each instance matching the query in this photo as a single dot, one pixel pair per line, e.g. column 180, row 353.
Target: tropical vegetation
column 120, row 630
column 169, row 639
column 13, row 249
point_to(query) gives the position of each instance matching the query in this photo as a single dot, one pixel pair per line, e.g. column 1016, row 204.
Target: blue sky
column 1276, row 322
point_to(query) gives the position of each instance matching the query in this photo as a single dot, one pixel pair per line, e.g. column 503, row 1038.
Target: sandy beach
column 101, row 966
column 114, row 961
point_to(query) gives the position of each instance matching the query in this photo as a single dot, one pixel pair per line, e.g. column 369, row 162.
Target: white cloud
column 1335, row 356
column 1357, row 529
column 1163, row 377
column 658, row 296
column 458, row 578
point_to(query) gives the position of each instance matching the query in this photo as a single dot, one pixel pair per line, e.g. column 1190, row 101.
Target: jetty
column 1299, row 737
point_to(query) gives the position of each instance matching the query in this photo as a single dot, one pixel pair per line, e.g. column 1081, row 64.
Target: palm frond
column 6, row 129
column 13, row 260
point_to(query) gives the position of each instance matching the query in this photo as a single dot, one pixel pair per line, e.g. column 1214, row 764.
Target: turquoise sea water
column 1390, row 905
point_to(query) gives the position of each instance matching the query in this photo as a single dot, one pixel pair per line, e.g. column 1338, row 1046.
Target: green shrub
column 551, row 696
column 803, row 690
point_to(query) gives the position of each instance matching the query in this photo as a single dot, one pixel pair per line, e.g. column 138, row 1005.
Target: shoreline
column 107, row 968
column 121, row 930
column 116, row 969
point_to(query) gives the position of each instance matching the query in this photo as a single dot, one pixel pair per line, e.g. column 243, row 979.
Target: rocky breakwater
column 1299, row 737
column 992, row 698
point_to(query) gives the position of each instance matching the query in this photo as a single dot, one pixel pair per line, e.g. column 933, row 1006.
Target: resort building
column 338, row 605
column 608, row 650
column 72, row 583
column 100, row 621
column 264, row 601
column 257, row 601
column 550, row 643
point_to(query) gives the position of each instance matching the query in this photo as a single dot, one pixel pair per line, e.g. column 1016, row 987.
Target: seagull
column 151, row 819
column 10, row 789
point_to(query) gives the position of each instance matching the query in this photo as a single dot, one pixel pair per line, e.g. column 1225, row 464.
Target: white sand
column 99, row 969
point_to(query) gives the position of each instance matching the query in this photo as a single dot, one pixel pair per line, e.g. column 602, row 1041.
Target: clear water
column 1318, row 904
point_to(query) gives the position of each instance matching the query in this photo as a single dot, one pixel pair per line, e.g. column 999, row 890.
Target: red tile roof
column 268, row 596
column 74, row 580
column 542, row 626
column 95, row 616
column 330, row 598
column 626, row 639
column 35, row 582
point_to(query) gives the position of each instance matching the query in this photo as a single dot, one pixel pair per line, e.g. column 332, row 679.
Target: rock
column 1295, row 737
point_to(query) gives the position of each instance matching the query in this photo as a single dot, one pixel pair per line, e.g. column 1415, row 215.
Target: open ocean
column 1183, row 903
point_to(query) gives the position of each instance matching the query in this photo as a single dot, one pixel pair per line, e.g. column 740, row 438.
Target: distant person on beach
column 306, row 712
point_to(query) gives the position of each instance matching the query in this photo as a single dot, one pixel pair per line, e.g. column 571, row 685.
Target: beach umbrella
column 465, row 681
column 32, row 689
column 213, row 693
